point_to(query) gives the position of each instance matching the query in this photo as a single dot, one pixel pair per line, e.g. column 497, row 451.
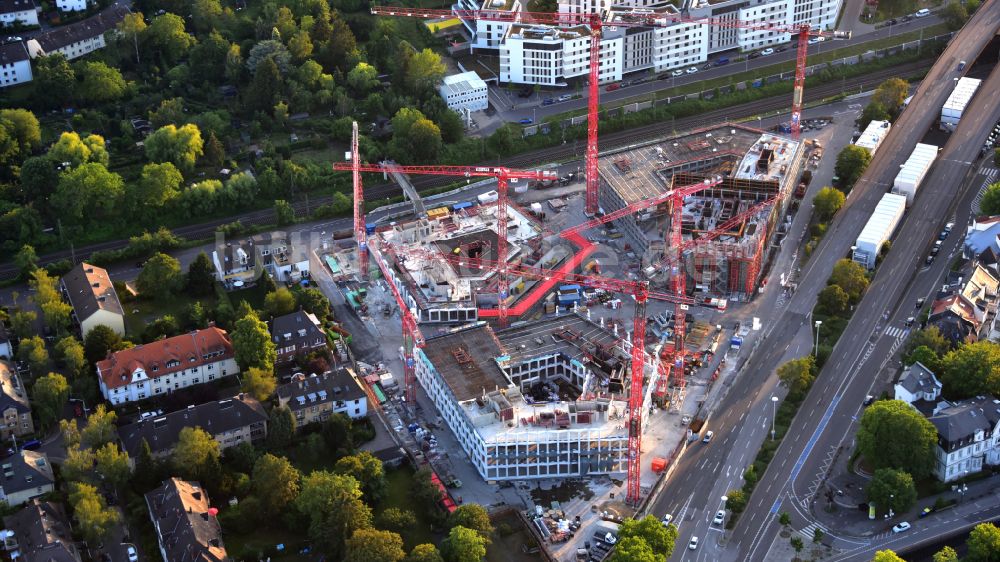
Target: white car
column 677, row 72
column 816, row 40
column 767, row 52
column 922, row 13
column 133, row 556
column 667, row 519
column 693, row 545
column 692, row 70
column 720, row 517
column 902, row 526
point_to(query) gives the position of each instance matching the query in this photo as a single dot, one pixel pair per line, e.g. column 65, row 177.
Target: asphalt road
column 805, row 448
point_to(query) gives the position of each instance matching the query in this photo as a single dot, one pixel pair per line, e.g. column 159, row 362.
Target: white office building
column 465, row 91
column 547, row 55
column 486, row 34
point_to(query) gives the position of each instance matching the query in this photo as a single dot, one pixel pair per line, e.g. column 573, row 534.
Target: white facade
column 873, row 136
column 15, row 65
column 486, row 34
column 912, row 172
column 879, row 229
column 917, row 383
column 954, row 106
column 71, row 5
column 549, row 56
column 72, row 50
column 968, row 438
column 143, row 386
column 19, row 11
column 819, row 14
column 465, row 91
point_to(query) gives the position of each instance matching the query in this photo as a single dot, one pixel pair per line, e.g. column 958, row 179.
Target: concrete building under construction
column 544, row 399
column 755, row 167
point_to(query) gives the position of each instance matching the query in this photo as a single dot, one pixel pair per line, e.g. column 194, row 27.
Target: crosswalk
column 809, row 531
column 990, row 176
column 896, row 331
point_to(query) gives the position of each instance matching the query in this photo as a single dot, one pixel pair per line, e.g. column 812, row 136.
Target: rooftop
column 41, row 533
column 464, row 82
column 89, row 289
column 308, row 391
column 917, row 378
column 215, row 417
column 295, row 326
column 57, row 38
column 12, row 6
column 12, row 395
column 965, row 88
column 545, row 33
column 166, row 356
column 882, row 217
column 958, row 424
column 188, row 529
column 873, row 134
column 11, row 53
column 466, row 358
column 26, row 470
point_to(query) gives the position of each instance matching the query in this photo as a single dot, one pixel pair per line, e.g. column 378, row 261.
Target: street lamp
column 816, row 348
column 724, row 500
column 774, row 414
column 891, row 497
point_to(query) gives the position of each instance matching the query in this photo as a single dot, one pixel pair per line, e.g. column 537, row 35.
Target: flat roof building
column 465, row 91
column 879, row 229
column 873, row 135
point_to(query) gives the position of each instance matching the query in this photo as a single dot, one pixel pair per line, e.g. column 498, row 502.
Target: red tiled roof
column 959, row 305
column 167, row 356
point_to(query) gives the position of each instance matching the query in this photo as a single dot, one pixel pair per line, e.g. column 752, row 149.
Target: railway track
column 609, row 141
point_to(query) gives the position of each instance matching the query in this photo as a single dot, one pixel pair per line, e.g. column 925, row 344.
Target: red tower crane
column 360, row 232
column 503, row 176
column 635, row 19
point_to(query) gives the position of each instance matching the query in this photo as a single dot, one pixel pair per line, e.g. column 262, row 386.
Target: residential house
column 15, row 64
column 89, row 290
column 982, row 288
column 39, row 532
column 14, row 406
column 166, row 365
column 235, row 263
column 18, row 12
column 982, row 235
column 26, row 475
column 241, row 262
column 297, row 334
column 71, row 5
column 240, row 419
column 6, row 348
column 958, row 319
column 918, row 387
column 968, row 438
column 186, row 527
column 315, row 398
column 78, row 39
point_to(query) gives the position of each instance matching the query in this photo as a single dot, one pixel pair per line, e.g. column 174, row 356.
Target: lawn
column 264, row 540
column 140, row 312
column 253, row 295
column 399, row 485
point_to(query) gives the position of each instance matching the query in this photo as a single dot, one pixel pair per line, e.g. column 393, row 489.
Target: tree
column 332, row 503
column 424, row 553
column 990, row 203
column 396, row 519
column 50, row 394
column 55, row 311
column 205, row 13
column 32, row 350
column 266, row 85
column 131, row 27
column 158, row 184
column 300, row 46
column 160, row 276
column 259, row 383
column 180, row 145
column 954, row 15
column 101, row 427
column 100, row 341
column 892, row 489
column 474, row 516
column 89, row 188
column 797, row 374
column 147, row 469
column 215, row 153
column 252, row 343
column 39, row 176
column 373, row 545
column 886, row 556
column 201, row 276
column 363, row 78
column 891, row 94
column 284, row 213
column 424, row 70
column 313, row 301
column 275, row 483
column 874, row 111
column 280, row 428
column 269, row 49
column 23, row 126
column 54, row 80
column 971, row 370
column 833, row 300
column 101, row 83
column 737, row 501
column 785, row 519
column 633, row 549
column 797, row 543
column 167, row 35
column 78, row 464
column 827, row 202
column 22, row 322
column 930, row 337
column 894, row 435
column 196, row 455
column 466, row 545
column 280, row 302
column 26, row 261
column 851, row 163
column 983, row 543
column 926, row 357
column 113, row 465
column 69, row 350
column 850, row 276
column 76, row 150
column 946, row 554
column 652, row 532
column 94, row 518
column 425, row 140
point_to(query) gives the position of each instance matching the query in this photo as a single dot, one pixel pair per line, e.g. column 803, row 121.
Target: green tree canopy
column 926, row 357
column 850, row 276
column 797, row 374
column 984, row 543
column 833, row 300
column 76, row 150
column 32, row 350
column 472, row 516
column 23, row 127
column 372, row 545
column 396, row 519
column 332, row 503
column 180, row 145
column 363, row 78
column 160, row 276
column 50, row 394
column 280, row 428
column 894, row 435
column 100, row 341
column 890, row 94
column 94, row 518
column 874, row 111
column 886, row 556
column 69, row 350
column 89, row 188
column 851, row 164
column 196, row 455
column 946, row 554
column 54, row 80
column 971, row 370
column 167, row 35
column 634, row 549
column 424, row 553
column 113, row 465
column 653, row 533
column 930, row 337
column 279, row 302
column 101, row 83
column 313, row 301
column 464, row 545
column 990, row 202
column 158, row 184
column 252, row 343
column 101, row 427
column 891, row 488
column 954, row 15
column 259, row 383
column 827, row 202
column 275, row 483
column 201, row 276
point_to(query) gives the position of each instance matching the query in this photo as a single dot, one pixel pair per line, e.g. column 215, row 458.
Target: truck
column 718, row 304
column 694, row 430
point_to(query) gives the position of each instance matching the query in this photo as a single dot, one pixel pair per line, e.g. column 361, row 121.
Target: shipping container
column 954, row 107
column 873, row 136
column 912, row 172
column 459, row 206
column 883, row 222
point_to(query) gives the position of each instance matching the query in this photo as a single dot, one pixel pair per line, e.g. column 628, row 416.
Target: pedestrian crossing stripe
column 809, row 531
column 895, row 331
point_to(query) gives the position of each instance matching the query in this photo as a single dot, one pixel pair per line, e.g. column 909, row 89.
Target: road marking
column 815, row 437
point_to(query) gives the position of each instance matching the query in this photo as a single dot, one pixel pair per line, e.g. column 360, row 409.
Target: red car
column 613, row 87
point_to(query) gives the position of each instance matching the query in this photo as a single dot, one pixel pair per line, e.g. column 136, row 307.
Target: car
column 900, row 527
column 906, row 18
column 548, row 101
column 926, row 511
column 133, row 556
column 677, row 72
column 722, row 61
column 892, row 22
column 708, row 437
column 720, row 517
column 767, row 52
column 78, row 410
column 781, row 49
column 32, row 445
column 909, row 321
column 922, row 13
column 816, row 40
column 693, row 544
column 565, row 97
column 935, row 250
column 526, row 121
column 869, row 399
column 612, row 87
column 948, row 227
column 920, row 302
column 942, row 235
column 929, row 260
column 692, row 70
column 667, row 519
column 753, row 55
